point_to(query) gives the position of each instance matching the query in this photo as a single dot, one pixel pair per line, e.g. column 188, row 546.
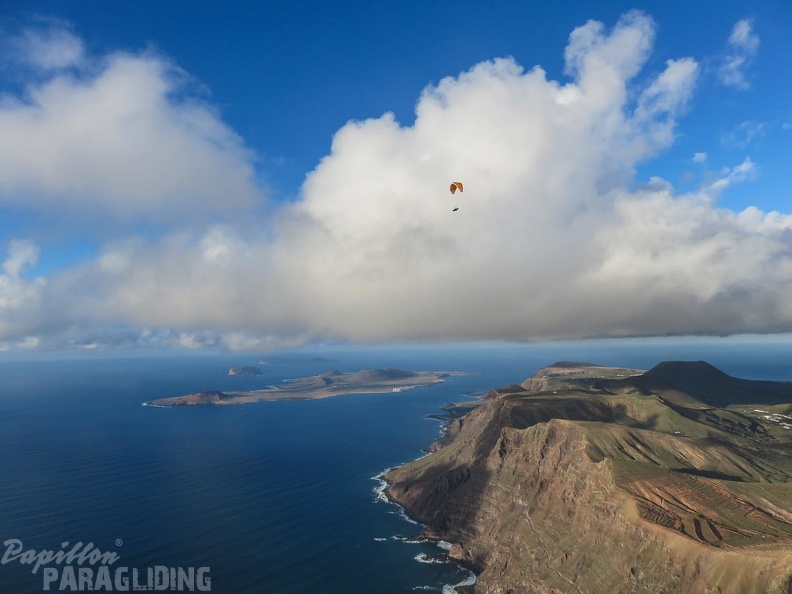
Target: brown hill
column 615, row 484
column 378, row 375
column 207, row 397
column 710, row 385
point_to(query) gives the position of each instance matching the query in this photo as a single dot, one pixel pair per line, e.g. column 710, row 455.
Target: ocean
column 272, row 497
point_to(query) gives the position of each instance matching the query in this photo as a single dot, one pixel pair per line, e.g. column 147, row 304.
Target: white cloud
column 742, row 37
column 742, row 48
column 742, row 172
column 745, row 133
column 549, row 240
column 19, row 297
column 20, row 254
column 190, row 341
column 700, row 157
column 665, row 97
column 241, row 341
column 51, row 48
column 117, row 139
column 699, row 267
column 27, row 343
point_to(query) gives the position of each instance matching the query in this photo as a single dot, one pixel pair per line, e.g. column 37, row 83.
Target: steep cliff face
column 577, row 493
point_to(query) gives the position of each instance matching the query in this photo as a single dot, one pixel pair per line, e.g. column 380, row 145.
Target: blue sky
column 198, row 185
column 288, row 75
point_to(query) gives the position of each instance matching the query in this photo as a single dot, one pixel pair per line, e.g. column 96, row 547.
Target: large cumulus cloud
column 118, row 136
column 551, row 239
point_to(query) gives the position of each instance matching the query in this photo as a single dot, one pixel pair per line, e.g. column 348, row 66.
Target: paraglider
column 454, row 187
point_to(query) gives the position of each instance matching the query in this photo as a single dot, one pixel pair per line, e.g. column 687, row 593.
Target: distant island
column 324, row 385
column 603, row 479
column 244, row 371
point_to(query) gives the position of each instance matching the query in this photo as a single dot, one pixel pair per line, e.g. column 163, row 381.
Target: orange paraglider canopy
column 456, row 186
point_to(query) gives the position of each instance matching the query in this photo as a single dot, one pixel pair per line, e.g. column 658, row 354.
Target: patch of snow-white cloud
column 742, row 48
column 729, row 176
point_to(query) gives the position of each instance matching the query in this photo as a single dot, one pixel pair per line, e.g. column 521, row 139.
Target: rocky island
column 247, row 371
column 324, row 385
column 588, row 479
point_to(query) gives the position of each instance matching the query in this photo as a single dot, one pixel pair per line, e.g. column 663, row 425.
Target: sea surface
column 273, row 497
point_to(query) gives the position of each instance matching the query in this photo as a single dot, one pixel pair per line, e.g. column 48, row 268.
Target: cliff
column 623, row 485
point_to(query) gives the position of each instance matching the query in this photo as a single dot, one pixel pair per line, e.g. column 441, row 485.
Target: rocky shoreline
column 453, row 411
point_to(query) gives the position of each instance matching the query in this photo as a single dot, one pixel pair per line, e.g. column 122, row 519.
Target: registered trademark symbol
column 119, row 542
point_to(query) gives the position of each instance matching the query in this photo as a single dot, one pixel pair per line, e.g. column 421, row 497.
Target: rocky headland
column 589, row 479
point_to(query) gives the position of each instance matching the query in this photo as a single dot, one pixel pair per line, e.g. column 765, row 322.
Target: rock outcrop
column 244, row 371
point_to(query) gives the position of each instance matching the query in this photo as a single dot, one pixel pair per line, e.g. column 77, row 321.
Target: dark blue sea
column 273, row 497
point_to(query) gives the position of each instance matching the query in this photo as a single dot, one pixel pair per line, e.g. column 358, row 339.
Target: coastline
column 326, row 385
column 467, row 585
column 518, row 481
